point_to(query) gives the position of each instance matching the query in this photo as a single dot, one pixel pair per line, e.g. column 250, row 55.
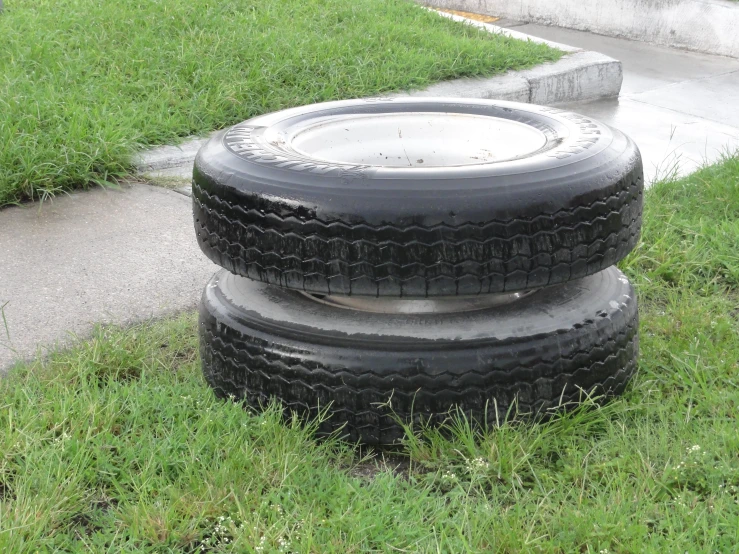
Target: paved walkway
column 103, row 256
column 120, row 256
column 678, row 106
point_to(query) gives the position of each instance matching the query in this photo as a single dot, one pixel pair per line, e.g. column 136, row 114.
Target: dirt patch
column 6, row 490
column 381, row 462
column 470, row 15
column 85, row 522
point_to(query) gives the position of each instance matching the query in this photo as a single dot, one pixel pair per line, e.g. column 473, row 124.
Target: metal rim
column 416, row 139
column 439, row 305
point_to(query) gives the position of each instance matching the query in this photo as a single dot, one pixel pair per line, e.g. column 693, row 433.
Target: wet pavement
column 102, row 256
column 679, row 107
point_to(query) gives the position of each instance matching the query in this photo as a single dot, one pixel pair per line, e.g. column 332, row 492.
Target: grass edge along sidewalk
column 117, row 444
column 85, row 86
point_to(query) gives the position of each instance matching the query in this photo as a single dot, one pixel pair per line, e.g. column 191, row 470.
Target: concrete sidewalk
column 102, row 256
column 678, row 106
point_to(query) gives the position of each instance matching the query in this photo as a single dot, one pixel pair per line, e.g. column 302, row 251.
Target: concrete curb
column 578, row 76
column 708, row 26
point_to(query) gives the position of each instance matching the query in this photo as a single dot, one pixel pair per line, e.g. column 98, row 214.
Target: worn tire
column 272, row 213
column 544, row 351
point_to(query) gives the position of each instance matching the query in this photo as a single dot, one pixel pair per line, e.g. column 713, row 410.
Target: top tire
column 417, row 197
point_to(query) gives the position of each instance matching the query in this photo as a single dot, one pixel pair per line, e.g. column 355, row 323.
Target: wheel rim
column 416, row 139
column 440, row 305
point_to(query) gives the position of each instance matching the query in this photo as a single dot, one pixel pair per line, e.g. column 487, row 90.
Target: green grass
column 118, row 446
column 84, row 83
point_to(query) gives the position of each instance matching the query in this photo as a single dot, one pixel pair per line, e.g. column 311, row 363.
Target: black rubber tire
column 570, row 209
column 541, row 352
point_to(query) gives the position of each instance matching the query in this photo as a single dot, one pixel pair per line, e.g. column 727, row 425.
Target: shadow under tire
column 541, row 353
column 279, row 200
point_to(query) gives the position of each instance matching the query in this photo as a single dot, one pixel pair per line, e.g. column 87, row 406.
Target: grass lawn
column 118, row 446
column 84, row 83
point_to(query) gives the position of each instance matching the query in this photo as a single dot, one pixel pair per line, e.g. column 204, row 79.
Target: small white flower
column 477, row 464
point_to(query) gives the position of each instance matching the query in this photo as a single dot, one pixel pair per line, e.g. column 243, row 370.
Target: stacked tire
column 391, row 260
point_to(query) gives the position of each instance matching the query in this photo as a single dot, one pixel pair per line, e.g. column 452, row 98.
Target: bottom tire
column 535, row 354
